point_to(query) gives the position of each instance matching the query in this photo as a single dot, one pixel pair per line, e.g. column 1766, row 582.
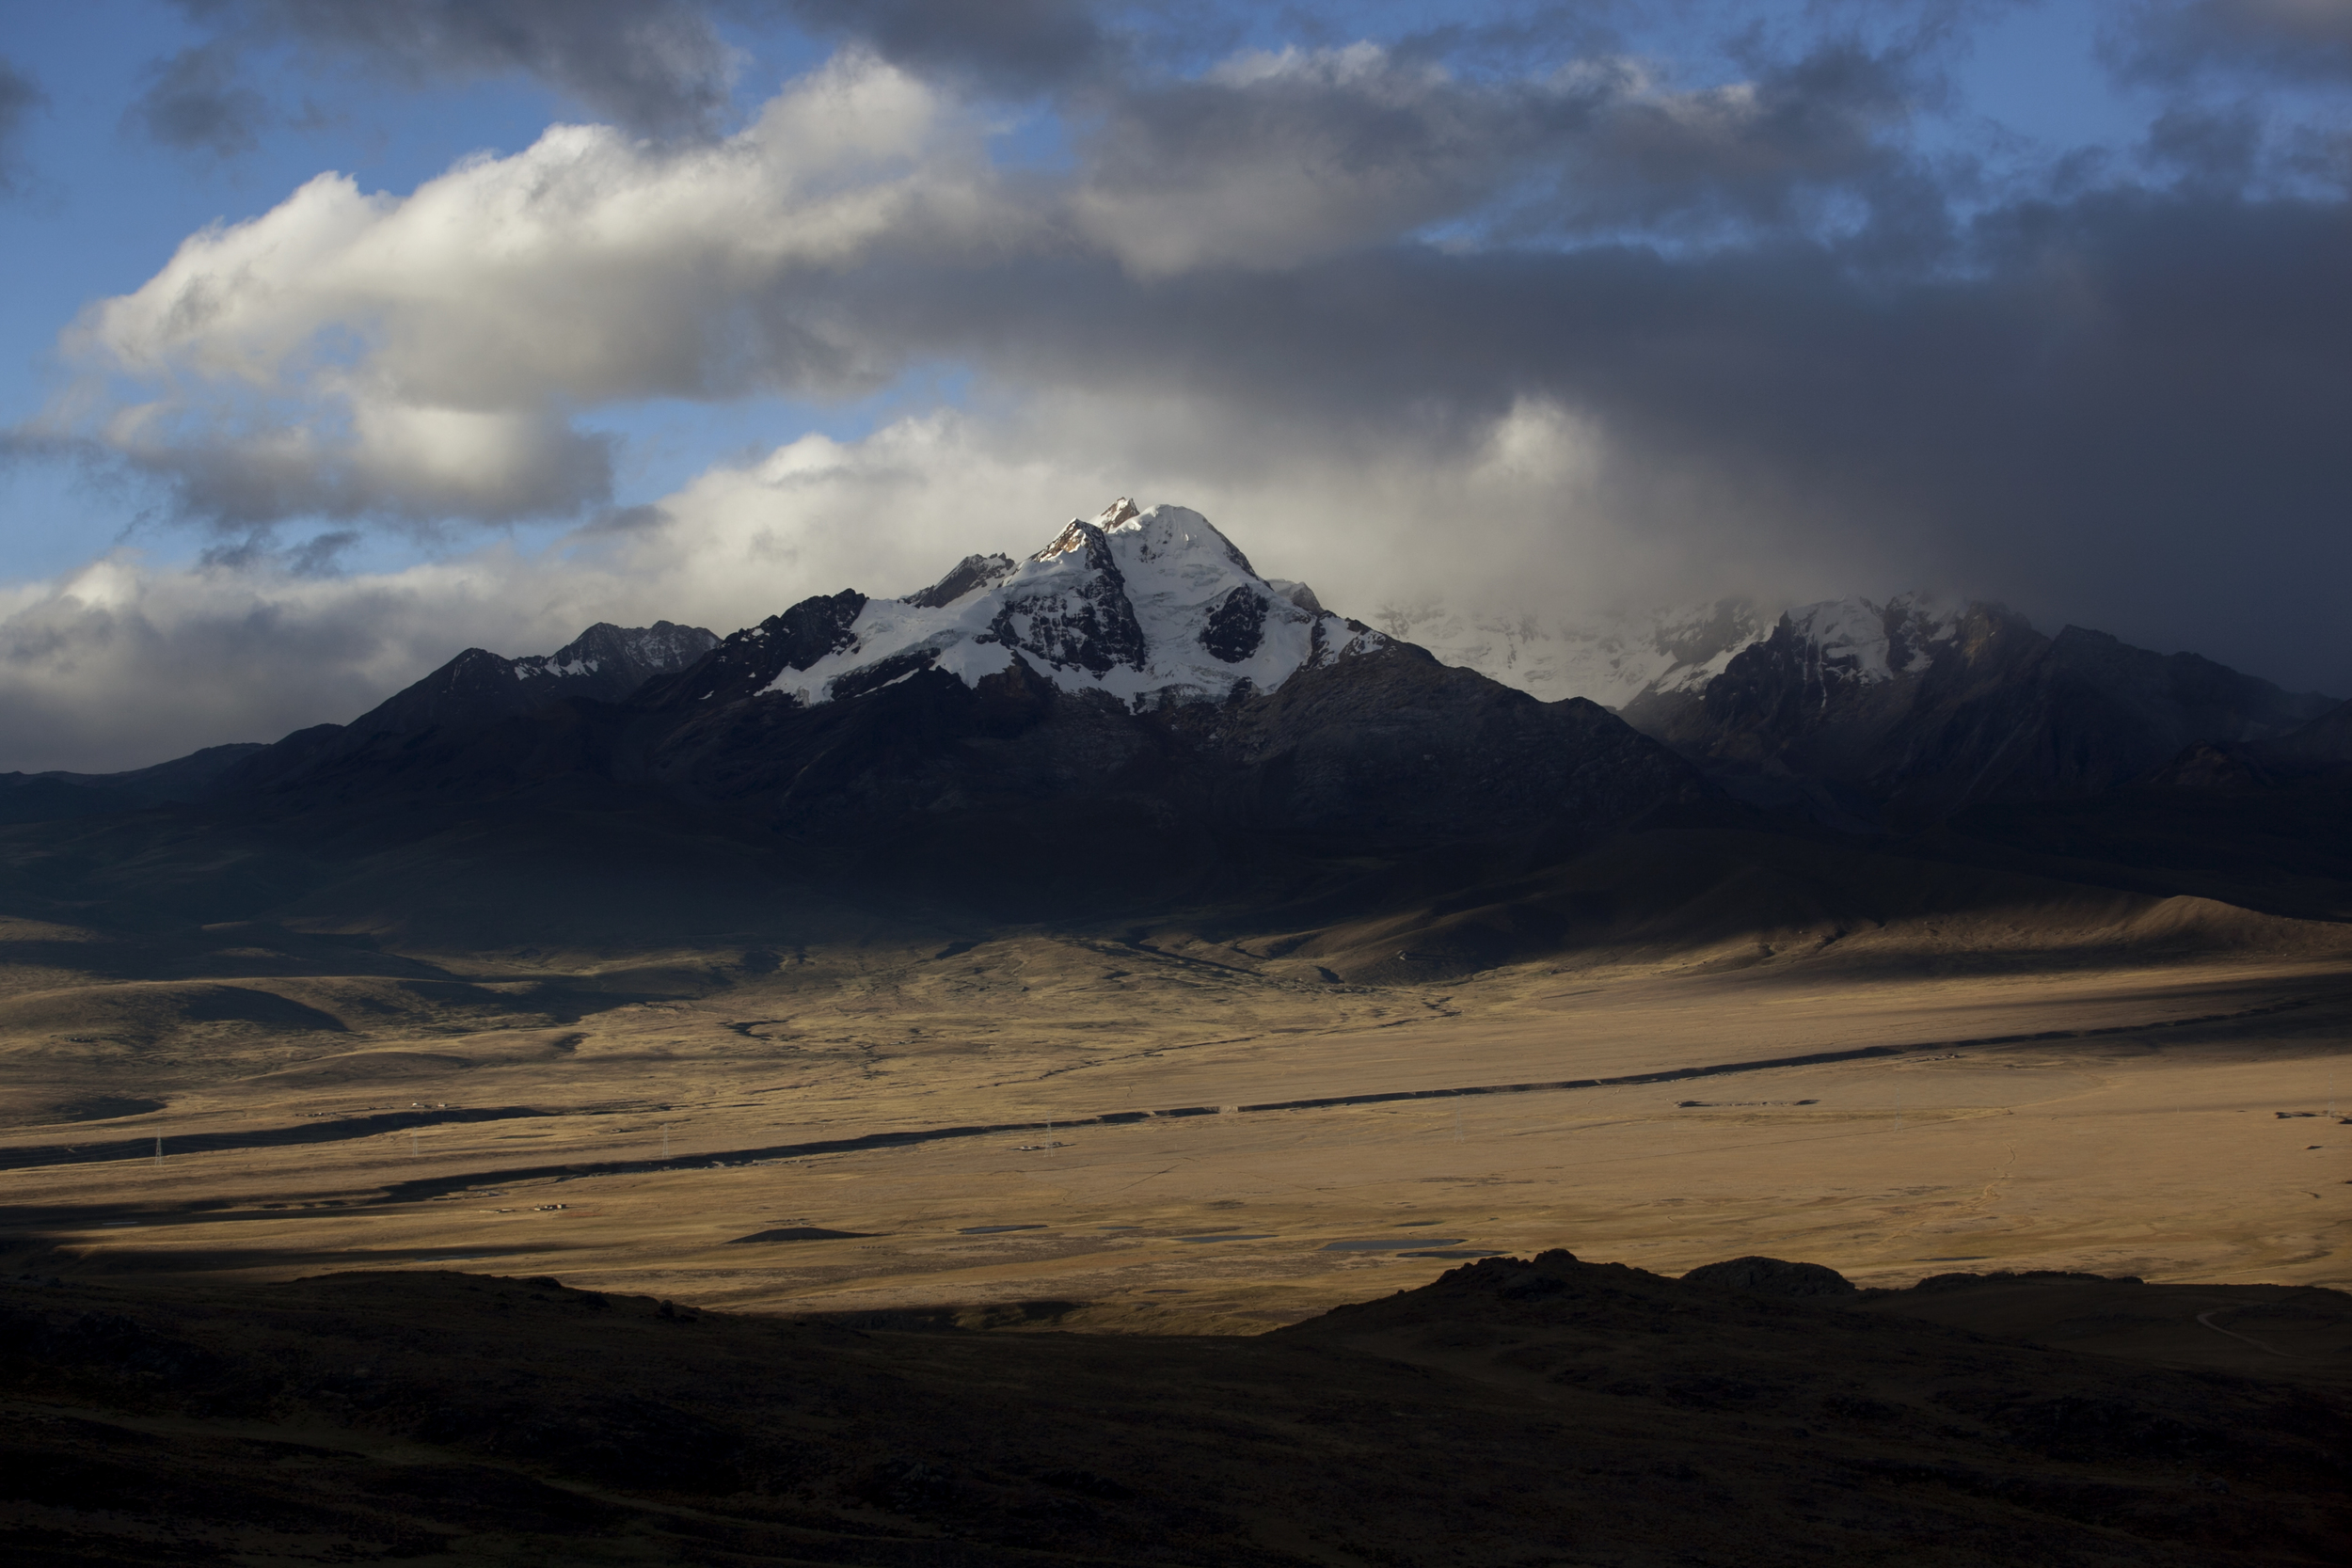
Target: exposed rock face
column 1075, row 613
column 1236, row 626
column 747, row 661
column 970, row 574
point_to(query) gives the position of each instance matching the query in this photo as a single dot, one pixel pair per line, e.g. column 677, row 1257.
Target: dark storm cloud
column 1274, row 158
column 2175, row 40
column 651, row 65
column 2127, row 408
column 20, row 97
column 1797, row 126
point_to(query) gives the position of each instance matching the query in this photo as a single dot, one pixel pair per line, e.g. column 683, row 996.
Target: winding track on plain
column 408, row 1192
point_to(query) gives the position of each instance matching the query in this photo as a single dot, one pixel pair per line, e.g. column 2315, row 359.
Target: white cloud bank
column 356, row 355
column 1568, row 338
column 126, row 662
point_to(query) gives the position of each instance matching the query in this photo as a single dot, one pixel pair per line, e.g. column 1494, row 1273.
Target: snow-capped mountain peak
column 631, row 651
column 1147, row 606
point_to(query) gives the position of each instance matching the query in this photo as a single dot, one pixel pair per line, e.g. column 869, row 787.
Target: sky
column 341, row 334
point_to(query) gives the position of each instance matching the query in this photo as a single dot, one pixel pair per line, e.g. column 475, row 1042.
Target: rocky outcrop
column 1772, row 1277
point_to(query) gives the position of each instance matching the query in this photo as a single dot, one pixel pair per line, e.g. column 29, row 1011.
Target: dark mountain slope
column 605, row 663
column 2284, row 848
column 1388, row 743
column 1918, row 712
column 2320, row 750
column 44, row 796
column 480, row 689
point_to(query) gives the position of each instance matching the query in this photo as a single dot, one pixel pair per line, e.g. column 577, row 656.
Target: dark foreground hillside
column 1513, row 1412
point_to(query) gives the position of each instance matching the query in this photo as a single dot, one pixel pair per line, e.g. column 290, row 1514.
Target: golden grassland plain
column 2173, row 1108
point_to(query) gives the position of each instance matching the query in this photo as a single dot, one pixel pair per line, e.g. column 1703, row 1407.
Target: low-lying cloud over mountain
column 1534, row 318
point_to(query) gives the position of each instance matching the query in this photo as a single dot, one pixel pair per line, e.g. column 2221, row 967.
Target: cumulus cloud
column 349, row 355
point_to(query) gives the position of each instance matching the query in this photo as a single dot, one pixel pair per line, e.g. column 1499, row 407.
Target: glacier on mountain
column 1612, row 661
column 1148, row 607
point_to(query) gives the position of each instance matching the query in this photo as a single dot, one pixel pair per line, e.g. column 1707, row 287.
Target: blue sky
column 1790, row 299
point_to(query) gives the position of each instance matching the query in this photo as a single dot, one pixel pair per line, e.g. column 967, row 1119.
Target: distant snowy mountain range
column 1140, row 652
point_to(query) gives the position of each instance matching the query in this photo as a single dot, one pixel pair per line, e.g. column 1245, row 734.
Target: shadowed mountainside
column 1919, row 710
column 1082, row 736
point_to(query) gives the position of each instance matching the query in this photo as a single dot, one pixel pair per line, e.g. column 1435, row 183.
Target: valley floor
column 637, row 1129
